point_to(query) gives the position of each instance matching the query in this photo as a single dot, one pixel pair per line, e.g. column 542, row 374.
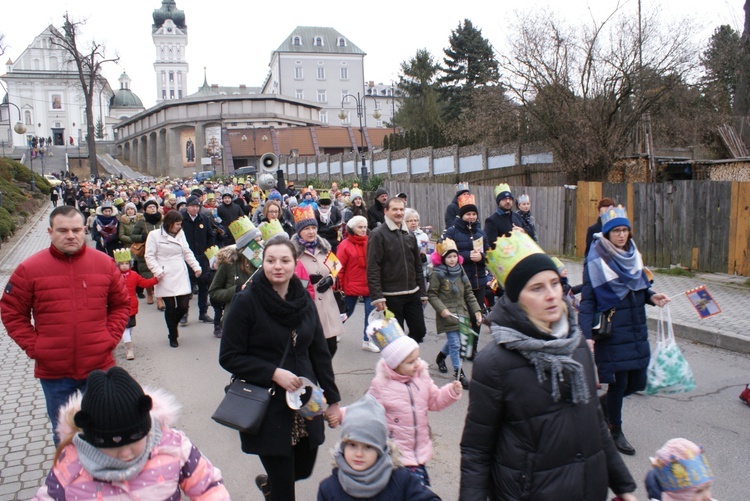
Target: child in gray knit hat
column 365, row 467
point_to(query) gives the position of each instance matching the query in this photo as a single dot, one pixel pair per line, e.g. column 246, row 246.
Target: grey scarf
column 551, row 357
column 364, row 484
column 103, row 467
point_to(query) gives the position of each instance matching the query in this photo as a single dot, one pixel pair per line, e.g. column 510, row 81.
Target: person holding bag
column 275, row 311
column 614, row 278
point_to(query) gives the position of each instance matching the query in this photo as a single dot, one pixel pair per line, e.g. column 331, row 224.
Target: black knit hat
column 150, row 202
column 193, row 200
column 114, row 409
column 524, row 270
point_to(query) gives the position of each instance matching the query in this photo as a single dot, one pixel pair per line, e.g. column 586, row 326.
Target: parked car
column 52, row 180
column 204, row 174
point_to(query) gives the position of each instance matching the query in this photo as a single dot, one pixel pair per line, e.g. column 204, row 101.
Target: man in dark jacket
column 228, row 212
column 503, row 220
column 79, row 305
column 329, row 220
column 451, row 212
column 394, row 270
column 375, row 214
column 199, row 236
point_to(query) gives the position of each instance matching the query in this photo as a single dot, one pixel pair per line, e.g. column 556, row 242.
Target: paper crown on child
column 308, row 401
column 255, row 194
column 356, row 192
column 466, row 203
column 462, row 187
column 445, row 246
column 515, row 259
column 211, row 252
column 614, row 217
column 122, row 255
column 394, row 345
column 678, row 474
column 270, row 229
column 501, row 191
column 243, row 230
column 522, row 199
column 303, row 217
column 324, row 197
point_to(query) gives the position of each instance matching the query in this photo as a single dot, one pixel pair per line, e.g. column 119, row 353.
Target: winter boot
column 621, row 442
column 160, row 304
column 462, row 378
column 262, row 482
column 440, row 361
column 150, row 295
column 129, row 348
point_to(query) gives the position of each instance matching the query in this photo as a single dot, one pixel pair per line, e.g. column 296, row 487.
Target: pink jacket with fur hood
column 406, row 401
column 174, row 464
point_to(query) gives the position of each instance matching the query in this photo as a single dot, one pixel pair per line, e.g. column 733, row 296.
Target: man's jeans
column 56, row 393
column 351, row 303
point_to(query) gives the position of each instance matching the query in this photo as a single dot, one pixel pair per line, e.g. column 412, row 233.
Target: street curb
column 708, row 336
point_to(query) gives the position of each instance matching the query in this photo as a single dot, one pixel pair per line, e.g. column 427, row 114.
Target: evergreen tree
column 721, row 62
column 469, row 64
column 420, row 104
column 99, row 129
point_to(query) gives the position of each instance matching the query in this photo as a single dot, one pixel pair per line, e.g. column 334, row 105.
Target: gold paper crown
column 324, row 195
column 383, row 332
column 501, row 188
column 302, row 213
column 211, row 252
column 122, row 255
column 462, row 186
column 508, row 252
column 270, row 228
column 444, row 246
column 466, row 199
column 614, row 213
column 243, row 230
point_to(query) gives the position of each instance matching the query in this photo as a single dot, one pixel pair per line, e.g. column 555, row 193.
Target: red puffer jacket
column 132, row 281
column 353, row 273
column 80, row 307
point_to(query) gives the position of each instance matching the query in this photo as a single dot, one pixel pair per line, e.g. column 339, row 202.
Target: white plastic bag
column 668, row 371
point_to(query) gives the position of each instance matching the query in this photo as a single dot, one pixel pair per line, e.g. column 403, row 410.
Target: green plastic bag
column 668, row 371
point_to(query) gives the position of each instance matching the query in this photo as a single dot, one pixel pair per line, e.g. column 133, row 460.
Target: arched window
column 319, row 41
column 342, row 42
column 296, row 41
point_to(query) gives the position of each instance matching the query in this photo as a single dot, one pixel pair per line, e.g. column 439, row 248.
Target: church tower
column 169, row 33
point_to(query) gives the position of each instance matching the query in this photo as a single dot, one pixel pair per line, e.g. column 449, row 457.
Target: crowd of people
column 281, row 272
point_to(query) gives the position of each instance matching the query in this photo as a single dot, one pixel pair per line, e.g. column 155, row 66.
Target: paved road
column 712, row 414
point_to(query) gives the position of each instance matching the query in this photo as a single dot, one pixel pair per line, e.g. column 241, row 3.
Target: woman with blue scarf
column 615, row 284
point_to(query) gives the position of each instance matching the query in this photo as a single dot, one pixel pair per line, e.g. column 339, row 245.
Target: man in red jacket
column 80, row 307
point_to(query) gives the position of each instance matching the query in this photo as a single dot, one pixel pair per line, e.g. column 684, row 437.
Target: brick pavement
column 26, row 448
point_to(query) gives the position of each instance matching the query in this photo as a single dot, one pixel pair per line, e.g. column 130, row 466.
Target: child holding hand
column 132, row 281
column 451, row 295
column 365, row 463
column 403, row 386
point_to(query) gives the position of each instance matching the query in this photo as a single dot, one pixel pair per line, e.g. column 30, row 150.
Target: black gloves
column 324, row 285
column 314, row 279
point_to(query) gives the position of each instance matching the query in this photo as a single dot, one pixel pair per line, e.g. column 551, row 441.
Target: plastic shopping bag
column 668, row 371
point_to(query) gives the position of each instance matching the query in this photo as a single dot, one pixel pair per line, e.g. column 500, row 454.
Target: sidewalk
column 729, row 330
column 26, row 448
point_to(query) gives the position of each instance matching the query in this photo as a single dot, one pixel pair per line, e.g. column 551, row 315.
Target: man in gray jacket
column 394, row 270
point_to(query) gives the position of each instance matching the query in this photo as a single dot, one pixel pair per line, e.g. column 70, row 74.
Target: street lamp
column 360, row 103
column 19, row 128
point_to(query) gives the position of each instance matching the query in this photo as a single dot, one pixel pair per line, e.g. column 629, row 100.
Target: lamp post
column 360, row 106
column 19, row 128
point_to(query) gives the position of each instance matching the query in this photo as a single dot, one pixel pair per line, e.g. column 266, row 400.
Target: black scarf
column 152, row 218
column 288, row 311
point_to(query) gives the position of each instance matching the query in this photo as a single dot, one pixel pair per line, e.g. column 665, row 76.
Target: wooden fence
column 704, row 225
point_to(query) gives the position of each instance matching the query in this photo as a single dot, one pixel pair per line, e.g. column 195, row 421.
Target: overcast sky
column 234, row 40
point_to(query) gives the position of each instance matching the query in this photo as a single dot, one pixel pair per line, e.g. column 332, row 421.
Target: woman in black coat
column 276, row 310
column 534, row 430
column 622, row 360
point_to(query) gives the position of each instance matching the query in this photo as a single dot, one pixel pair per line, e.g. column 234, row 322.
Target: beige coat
column 328, row 310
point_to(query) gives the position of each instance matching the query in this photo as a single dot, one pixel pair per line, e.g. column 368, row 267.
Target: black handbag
column 340, row 297
column 602, row 328
column 245, row 405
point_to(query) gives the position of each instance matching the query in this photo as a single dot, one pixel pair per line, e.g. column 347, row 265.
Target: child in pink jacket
column 403, row 385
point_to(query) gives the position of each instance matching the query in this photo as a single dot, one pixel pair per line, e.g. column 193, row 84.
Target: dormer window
column 342, row 42
column 318, row 41
column 296, row 40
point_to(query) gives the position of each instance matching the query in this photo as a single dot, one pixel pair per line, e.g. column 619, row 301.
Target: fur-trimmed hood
column 227, row 255
column 322, row 245
column 165, row 409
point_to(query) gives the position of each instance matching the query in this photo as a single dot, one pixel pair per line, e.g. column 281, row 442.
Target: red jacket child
column 133, row 280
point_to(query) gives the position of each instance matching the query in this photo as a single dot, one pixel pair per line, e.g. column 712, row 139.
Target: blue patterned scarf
column 614, row 272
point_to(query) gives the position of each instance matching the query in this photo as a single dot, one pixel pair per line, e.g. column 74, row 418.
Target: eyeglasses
column 620, row 231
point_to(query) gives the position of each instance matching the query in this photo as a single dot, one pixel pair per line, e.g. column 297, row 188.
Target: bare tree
column 3, row 47
column 585, row 88
column 88, row 62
